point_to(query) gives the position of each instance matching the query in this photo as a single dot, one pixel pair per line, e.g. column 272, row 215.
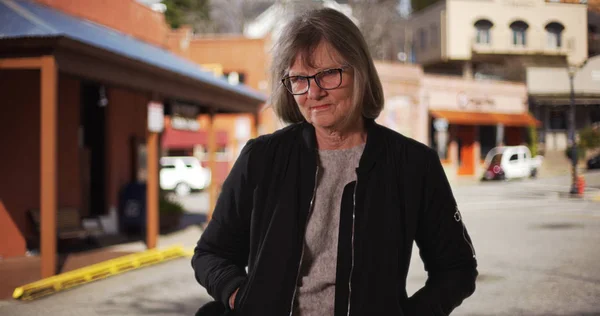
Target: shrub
column 533, row 140
column 167, row 205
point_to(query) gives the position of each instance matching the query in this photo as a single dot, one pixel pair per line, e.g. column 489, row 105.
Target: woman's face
column 324, row 108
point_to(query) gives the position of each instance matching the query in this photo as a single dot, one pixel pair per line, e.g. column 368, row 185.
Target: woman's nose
column 314, row 91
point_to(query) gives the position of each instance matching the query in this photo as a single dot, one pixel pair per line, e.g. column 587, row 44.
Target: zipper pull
column 457, row 216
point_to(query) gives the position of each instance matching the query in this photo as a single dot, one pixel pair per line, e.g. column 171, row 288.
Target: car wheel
column 533, row 173
column 183, row 189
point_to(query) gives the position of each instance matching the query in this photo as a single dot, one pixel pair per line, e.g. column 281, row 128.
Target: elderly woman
column 319, row 218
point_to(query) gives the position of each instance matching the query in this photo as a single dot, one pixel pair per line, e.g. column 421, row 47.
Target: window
column 558, row 120
column 433, row 37
column 422, row 39
column 234, row 77
column 514, row 157
column 483, row 32
column 412, row 55
column 519, row 31
column 554, row 31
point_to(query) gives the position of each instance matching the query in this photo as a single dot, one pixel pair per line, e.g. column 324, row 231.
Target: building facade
column 496, row 38
column 85, row 102
column 461, row 119
column 549, row 91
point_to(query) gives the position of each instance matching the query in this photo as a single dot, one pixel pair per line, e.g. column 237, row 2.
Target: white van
column 183, row 174
column 510, row 162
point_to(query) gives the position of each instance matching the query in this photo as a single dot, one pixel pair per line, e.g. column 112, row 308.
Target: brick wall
column 126, row 16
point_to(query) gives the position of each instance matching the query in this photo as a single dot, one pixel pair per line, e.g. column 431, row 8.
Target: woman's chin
column 322, row 122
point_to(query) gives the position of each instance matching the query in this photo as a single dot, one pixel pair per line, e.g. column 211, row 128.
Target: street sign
column 156, row 117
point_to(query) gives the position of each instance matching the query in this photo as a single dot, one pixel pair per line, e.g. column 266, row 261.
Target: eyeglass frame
column 314, row 78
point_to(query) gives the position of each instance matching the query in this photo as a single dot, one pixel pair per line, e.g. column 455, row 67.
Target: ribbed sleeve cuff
column 229, row 288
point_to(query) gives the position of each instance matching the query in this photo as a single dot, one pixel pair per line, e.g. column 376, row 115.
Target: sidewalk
column 15, row 272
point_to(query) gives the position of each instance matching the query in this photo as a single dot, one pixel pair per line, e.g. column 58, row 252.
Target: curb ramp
column 97, row 271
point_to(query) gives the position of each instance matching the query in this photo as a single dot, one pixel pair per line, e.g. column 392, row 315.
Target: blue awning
column 21, row 19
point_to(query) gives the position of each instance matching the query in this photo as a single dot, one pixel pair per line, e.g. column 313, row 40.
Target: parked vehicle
column 183, row 175
column 510, row 162
column 594, row 162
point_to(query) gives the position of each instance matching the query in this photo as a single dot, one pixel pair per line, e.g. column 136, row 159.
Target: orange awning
column 180, row 139
column 486, row 118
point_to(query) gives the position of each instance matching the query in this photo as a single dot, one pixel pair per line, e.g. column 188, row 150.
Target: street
column 537, row 250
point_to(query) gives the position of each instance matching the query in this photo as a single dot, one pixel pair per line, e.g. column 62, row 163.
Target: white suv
column 183, row 174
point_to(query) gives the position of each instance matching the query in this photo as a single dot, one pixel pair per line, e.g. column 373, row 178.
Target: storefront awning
column 486, row 118
column 180, row 139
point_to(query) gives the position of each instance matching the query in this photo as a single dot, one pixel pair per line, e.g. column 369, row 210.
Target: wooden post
column 212, row 149
column 152, row 221
column 48, row 160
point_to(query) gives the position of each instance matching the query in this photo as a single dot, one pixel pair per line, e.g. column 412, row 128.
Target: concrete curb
column 97, row 271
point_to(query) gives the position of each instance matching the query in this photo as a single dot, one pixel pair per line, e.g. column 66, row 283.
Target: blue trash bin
column 132, row 208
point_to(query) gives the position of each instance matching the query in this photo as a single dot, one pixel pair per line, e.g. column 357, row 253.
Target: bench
column 68, row 224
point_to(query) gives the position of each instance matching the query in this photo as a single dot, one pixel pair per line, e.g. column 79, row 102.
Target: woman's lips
column 319, row 107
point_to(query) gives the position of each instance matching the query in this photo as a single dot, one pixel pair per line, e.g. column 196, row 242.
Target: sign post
column 156, row 123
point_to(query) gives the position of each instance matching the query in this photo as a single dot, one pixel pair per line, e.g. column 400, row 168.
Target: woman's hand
column 232, row 298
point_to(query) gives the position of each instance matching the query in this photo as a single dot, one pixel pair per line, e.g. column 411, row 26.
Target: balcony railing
column 536, row 43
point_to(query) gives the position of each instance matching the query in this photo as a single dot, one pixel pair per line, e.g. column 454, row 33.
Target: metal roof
column 25, row 19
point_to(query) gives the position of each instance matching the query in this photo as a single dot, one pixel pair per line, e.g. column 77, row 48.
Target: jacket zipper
column 458, row 218
column 310, row 208
column 352, row 256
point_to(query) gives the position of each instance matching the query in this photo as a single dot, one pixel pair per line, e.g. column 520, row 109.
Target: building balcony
column 534, row 45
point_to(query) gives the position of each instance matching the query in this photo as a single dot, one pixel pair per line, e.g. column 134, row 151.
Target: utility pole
column 571, row 120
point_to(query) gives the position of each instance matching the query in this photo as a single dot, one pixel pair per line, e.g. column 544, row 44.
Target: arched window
column 554, row 31
column 482, row 32
column 519, row 31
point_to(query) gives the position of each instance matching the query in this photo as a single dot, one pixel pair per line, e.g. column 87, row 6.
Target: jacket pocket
column 241, row 295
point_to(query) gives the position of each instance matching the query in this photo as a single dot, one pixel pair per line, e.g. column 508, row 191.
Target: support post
column 499, row 134
column 48, row 165
column 152, row 221
column 212, row 149
column 571, row 141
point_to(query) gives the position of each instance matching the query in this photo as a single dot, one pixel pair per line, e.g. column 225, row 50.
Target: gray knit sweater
column 316, row 285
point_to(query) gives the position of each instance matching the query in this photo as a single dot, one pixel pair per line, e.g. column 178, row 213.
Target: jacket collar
column 373, row 147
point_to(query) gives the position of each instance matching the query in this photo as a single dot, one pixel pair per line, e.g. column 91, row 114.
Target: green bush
column 169, row 206
column 533, row 141
column 589, row 138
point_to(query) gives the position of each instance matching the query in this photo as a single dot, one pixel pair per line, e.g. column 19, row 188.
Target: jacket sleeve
column 221, row 255
column 445, row 248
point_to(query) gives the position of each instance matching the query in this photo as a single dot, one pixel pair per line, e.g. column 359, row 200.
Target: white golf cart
column 510, row 162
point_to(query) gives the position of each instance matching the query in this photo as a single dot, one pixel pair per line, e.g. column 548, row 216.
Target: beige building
column 461, row 118
column 496, row 38
column 549, row 92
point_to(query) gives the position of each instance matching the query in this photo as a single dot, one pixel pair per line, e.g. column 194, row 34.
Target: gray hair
column 302, row 35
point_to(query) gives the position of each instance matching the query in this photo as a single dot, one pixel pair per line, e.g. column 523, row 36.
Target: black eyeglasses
column 327, row 79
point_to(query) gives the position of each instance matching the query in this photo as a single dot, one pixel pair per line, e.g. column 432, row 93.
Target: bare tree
column 379, row 21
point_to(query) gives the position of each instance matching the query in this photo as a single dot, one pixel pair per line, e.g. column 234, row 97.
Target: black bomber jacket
column 401, row 195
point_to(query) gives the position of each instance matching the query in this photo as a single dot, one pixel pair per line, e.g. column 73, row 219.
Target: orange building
column 82, row 111
column 240, row 60
column 248, row 58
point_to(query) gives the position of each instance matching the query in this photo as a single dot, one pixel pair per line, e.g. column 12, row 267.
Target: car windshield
column 497, row 159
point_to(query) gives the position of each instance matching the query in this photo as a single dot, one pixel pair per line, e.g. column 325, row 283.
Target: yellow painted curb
column 97, row 271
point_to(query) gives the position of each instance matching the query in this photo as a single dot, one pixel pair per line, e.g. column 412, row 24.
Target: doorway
column 93, row 122
column 466, row 150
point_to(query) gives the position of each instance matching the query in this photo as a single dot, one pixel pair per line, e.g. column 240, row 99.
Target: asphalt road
column 538, row 254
